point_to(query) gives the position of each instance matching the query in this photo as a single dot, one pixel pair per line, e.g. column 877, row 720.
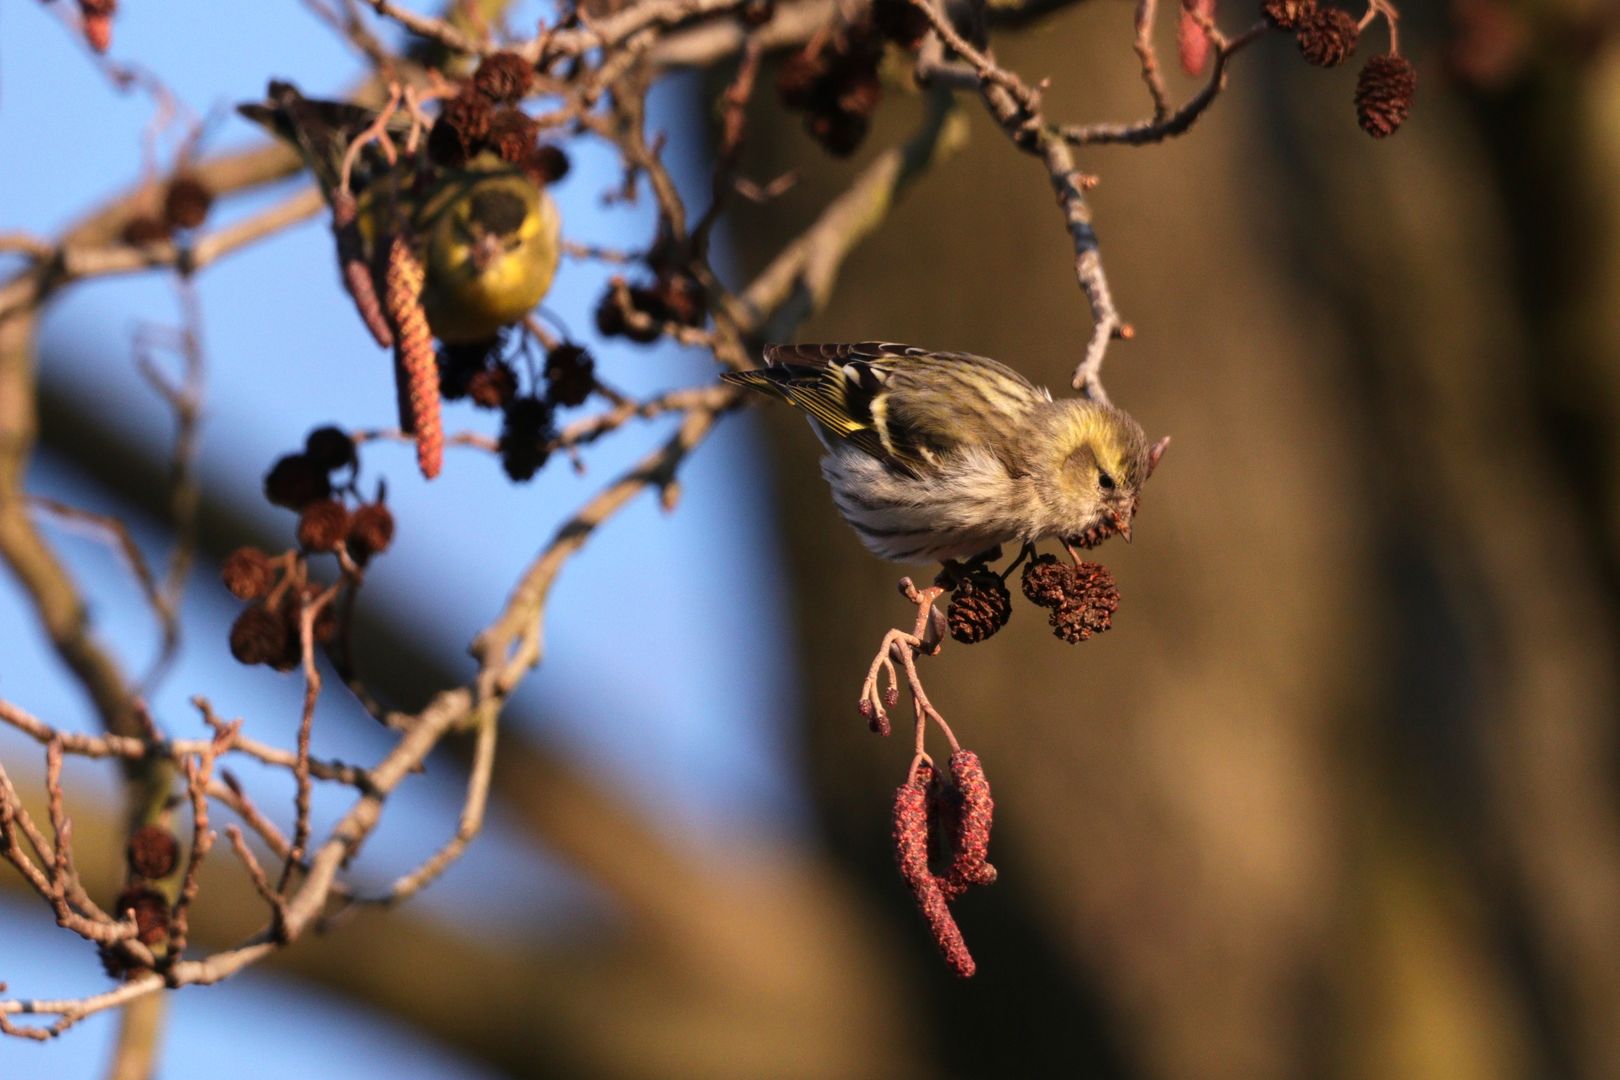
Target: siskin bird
column 486, row 234
column 940, row 456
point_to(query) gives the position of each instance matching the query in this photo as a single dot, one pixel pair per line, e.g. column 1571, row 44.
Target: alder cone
column 979, row 607
column 1384, row 92
column 1046, row 581
column 152, row 852
column 247, row 573
column 1287, row 14
column 1327, row 37
column 1088, row 606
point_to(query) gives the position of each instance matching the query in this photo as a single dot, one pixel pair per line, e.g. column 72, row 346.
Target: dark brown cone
column 610, row 320
column 371, row 530
column 796, row 82
column 329, row 448
column 682, row 299
column 570, row 375
column 152, row 852
column 258, row 636
column 648, row 302
column 525, row 432
column 504, row 77
column 756, row 13
column 900, row 22
column 547, row 164
column 1089, row 606
column 151, row 912
column 113, row 962
column 290, row 613
column 143, row 229
column 1287, row 14
column 512, row 135
column 979, row 607
column 839, row 133
column 493, row 387
column 186, row 202
column 295, row 481
column 459, row 362
column 1384, row 92
column 322, row 525
column 247, row 573
column 1327, row 36
column 861, row 93
column 459, row 132
column 835, row 83
column 1046, row 581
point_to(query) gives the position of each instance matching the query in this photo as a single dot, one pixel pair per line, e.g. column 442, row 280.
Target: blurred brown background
column 1337, row 796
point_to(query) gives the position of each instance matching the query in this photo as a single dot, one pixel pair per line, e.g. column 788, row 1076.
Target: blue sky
column 676, row 714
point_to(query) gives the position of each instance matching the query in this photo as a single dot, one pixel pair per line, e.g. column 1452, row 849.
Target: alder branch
column 602, row 70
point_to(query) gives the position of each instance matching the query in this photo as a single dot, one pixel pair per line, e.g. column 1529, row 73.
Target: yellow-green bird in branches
column 485, row 232
column 946, row 455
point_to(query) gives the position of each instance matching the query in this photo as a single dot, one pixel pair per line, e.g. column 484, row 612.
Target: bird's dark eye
column 1106, row 481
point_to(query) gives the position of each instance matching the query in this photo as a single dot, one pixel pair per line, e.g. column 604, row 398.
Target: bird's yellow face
column 1102, row 458
column 493, row 250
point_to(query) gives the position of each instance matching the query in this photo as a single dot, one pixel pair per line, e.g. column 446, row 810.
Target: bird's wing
column 322, row 132
column 901, row 404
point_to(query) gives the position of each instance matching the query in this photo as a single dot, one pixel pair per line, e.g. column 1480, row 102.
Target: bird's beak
column 485, row 250
column 1121, row 523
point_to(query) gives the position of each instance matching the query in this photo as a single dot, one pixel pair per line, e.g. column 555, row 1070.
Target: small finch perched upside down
column 946, row 456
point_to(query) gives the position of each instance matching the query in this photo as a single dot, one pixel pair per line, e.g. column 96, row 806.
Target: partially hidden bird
column 485, row 233
column 947, row 456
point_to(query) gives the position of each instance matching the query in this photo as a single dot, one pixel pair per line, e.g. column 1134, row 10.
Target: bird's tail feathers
column 782, row 381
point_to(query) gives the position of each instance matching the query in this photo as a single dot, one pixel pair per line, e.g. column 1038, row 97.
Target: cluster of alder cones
column 1081, row 598
column 152, row 854
column 1327, row 36
column 277, row 586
